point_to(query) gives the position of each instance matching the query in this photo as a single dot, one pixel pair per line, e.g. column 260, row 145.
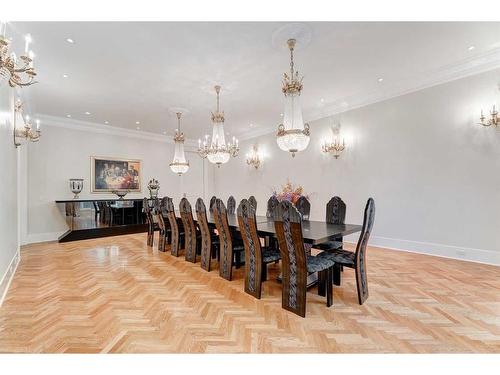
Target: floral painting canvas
column 110, row 174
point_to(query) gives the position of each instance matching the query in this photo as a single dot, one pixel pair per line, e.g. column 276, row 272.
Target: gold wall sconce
column 492, row 120
column 23, row 129
column 253, row 157
column 334, row 148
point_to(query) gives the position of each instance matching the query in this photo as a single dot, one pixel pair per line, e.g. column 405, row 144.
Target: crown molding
column 92, row 127
column 480, row 63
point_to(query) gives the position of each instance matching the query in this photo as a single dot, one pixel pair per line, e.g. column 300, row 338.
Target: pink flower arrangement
column 290, row 193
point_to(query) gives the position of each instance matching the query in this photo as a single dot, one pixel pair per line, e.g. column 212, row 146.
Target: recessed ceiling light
column 138, row 128
column 137, row 122
column 65, row 76
column 471, row 48
column 251, row 125
column 281, row 114
column 68, row 116
column 380, row 79
column 322, row 100
column 87, row 113
column 69, row 40
column 106, row 122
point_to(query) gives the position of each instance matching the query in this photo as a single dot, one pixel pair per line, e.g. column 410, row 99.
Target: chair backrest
column 157, row 213
column 335, row 211
column 253, row 202
column 304, row 207
column 271, row 205
column 288, row 227
column 253, row 254
column 368, row 220
column 206, row 235
column 231, row 205
column 212, row 203
column 226, row 243
column 174, row 228
column 145, row 209
column 189, row 230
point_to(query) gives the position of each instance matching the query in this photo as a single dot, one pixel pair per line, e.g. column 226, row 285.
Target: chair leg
column 321, row 283
column 337, row 274
column 329, row 287
column 263, row 276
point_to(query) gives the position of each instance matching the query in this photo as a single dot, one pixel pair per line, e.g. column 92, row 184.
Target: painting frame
column 97, row 185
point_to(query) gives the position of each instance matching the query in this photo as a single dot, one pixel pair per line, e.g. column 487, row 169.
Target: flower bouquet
column 290, row 193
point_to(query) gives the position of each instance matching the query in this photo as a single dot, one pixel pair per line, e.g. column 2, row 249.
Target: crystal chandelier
column 179, row 165
column 293, row 134
column 18, row 72
column 23, row 129
column 217, row 150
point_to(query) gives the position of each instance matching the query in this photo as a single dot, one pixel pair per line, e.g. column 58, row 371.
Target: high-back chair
column 212, row 203
column 271, row 205
column 161, row 224
column 149, row 221
column 304, row 207
column 357, row 259
column 209, row 244
column 256, row 258
column 227, row 249
column 190, row 232
column 253, row 202
column 176, row 235
column 335, row 214
column 231, row 205
column 296, row 264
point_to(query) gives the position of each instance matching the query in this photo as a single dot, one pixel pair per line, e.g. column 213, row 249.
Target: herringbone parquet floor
column 117, row 295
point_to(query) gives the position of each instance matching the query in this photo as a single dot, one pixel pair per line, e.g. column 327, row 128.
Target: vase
column 76, row 186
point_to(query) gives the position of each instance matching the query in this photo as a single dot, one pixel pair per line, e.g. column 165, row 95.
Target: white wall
column 9, row 244
column 434, row 173
column 64, row 153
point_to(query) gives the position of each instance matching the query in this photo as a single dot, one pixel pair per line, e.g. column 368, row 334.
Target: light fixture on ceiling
column 493, row 120
column 23, row 129
column 217, row 150
column 137, row 122
column 179, row 165
column 380, row 79
column 253, row 157
column 68, row 116
column 18, row 72
column 471, row 48
column 69, row 40
column 293, row 134
column 87, row 113
column 65, row 76
column 334, row 148
column 106, row 122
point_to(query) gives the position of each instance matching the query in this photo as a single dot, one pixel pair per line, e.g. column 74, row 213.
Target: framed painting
column 109, row 174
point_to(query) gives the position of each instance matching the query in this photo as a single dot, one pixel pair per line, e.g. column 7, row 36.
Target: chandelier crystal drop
column 15, row 71
column 293, row 134
column 216, row 150
column 179, row 165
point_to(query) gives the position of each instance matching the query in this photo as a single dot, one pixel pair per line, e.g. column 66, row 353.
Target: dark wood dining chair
column 335, row 214
column 191, row 243
column 256, row 257
column 209, row 242
column 149, row 221
column 253, row 202
column 272, row 202
column 296, row 264
column 357, row 259
column 228, row 249
column 162, row 229
column 304, row 207
column 97, row 211
column 231, row 205
column 212, row 203
column 177, row 236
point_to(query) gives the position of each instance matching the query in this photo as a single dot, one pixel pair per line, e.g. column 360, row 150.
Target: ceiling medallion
column 293, row 134
column 17, row 72
column 217, row 151
column 179, row 165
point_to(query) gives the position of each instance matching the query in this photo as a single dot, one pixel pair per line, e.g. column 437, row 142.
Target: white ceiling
column 123, row 72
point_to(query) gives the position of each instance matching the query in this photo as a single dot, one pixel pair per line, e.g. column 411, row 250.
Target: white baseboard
column 445, row 251
column 42, row 237
column 9, row 275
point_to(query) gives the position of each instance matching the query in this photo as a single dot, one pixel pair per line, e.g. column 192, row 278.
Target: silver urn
column 76, row 186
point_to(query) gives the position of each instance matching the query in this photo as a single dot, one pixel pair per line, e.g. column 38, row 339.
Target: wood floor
column 117, row 295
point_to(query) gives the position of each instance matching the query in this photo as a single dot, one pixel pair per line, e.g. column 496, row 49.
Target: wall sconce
column 334, row 148
column 24, row 129
column 493, row 120
column 253, row 158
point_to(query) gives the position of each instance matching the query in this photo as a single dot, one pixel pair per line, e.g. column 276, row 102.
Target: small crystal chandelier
column 179, row 165
column 493, row 120
column 217, row 150
column 17, row 73
column 293, row 134
column 24, row 130
column 253, row 158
